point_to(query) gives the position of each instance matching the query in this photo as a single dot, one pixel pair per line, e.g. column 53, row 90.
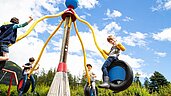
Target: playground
column 66, row 44
column 119, row 71
column 84, row 48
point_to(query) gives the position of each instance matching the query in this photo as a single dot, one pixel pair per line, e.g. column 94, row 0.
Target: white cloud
column 88, row 14
column 165, row 35
column 112, row 27
column 83, row 17
column 24, row 49
column 162, row 4
column 49, row 6
column 167, row 5
column 161, row 54
column 22, row 14
column 88, row 3
column 142, row 73
column 135, row 39
column 25, row 8
column 136, row 64
column 127, row 19
column 113, row 14
column 133, row 62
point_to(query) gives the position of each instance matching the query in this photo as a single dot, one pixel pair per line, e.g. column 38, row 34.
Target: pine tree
column 146, row 83
column 157, row 81
column 82, row 80
column 136, row 79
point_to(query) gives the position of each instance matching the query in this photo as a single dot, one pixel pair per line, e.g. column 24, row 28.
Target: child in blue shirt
column 8, row 35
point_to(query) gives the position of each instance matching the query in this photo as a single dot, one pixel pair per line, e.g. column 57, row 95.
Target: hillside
column 13, row 67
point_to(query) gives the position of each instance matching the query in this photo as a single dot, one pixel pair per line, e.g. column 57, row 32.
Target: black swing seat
column 27, row 86
column 120, row 75
column 88, row 89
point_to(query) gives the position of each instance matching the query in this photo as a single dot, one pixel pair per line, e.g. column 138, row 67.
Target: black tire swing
column 88, row 90
column 120, row 75
column 27, row 86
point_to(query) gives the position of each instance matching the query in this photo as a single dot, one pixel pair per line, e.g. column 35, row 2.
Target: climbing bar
column 84, row 52
column 94, row 37
column 34, row 24
column 45, row 46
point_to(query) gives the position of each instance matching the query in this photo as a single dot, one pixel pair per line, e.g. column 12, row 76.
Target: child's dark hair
column 31, row 59
column 89, row 65
column 14, row 20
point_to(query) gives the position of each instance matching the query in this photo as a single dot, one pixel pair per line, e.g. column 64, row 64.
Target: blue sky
column 142, row 26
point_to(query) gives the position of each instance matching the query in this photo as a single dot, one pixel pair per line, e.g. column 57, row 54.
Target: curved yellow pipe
column 94, row 37
column 35, row 23
column 84, row 52
column 45, row 46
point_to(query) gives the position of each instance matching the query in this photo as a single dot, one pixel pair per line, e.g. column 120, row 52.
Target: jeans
column 25, row 80
column 93, row 85
column 106, row 64
column 4, row 48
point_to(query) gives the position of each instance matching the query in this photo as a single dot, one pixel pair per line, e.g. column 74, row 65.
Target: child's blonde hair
column 110, row 37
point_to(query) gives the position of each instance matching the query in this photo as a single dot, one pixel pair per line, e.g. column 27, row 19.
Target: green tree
column 50, row 75
column 146, row 83
column 157, row 81
column 13, row 67
column 46, row 78
column 136, row 79
column 83, row 80
column 72, row 80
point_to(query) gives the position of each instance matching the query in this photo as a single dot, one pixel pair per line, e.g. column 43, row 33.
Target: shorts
column 4, row 48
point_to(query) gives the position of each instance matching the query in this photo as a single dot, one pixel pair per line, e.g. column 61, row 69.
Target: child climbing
column 8, row 35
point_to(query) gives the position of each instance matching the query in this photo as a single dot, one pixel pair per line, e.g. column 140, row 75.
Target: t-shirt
column 91, row 75
column 114, row 51
column 27, row 69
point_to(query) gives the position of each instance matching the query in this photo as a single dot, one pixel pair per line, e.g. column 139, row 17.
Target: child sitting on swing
column 112, row 56
column 26, row 71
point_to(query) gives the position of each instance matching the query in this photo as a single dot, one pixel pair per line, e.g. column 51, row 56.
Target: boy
column 112, row 56
column 8, row 35
column 26, row 70
column 92, row 78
